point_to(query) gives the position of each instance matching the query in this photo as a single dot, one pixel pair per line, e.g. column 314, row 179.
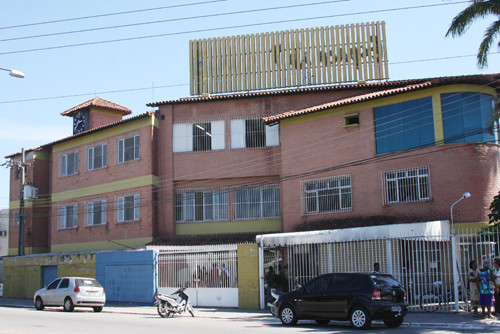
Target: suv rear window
column 87, row 282
column 385, row 280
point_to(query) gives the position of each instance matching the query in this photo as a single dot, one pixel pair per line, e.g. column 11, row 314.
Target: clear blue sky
column 125, row 72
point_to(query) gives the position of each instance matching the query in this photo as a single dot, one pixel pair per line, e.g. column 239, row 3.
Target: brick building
column 272, row 161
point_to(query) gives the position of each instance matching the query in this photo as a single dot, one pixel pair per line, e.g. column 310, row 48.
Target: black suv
column 357, row 297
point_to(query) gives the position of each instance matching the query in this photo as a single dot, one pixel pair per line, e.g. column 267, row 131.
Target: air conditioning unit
column 3, row 233
column 30, row 192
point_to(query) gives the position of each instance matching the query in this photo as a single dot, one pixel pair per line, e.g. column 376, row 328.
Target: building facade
column 274, row 161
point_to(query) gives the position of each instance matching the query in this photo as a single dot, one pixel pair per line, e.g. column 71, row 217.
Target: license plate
column 396, row 308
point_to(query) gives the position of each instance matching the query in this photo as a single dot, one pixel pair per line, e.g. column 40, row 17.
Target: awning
column 434, row 229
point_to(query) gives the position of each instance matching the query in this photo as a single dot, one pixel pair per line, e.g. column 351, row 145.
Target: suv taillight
column 77, row 289
column 376, row 295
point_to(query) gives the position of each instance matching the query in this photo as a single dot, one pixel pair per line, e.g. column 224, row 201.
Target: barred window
column 331, row 194
column 68, row 216
column 247, row 133
column 407, row 185
column 97, row 157
column 199, row 136
column 199, row 205
column 257, row 203
column 96, row 213
column 69, row 164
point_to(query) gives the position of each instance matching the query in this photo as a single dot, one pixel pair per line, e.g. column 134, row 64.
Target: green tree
column 478, row 9
column 494, row 216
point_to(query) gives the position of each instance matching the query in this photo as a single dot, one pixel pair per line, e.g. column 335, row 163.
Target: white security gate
column 209, row 272
column 423, row 263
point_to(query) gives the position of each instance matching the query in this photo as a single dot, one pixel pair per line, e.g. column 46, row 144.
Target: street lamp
column 13, row 73
column 465, row 195
column 454, row 252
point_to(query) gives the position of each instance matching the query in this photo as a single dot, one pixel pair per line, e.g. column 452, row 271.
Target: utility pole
column 21, row 167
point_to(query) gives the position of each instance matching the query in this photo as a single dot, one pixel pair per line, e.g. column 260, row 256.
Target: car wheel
column 97, row 308
column 394, row 322
column 68, row 305
column 288, row 316
column 360, row 318
column 39, row 304
column 162, row 310
column 322, row 322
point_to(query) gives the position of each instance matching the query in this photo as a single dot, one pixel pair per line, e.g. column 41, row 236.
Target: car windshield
column 384, row 280
column 87, row 282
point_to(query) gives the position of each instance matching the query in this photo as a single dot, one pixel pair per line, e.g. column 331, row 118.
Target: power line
column 110, row 14
column 172, row 20
column 187, row 84
column 373, row 159
column 223, row 28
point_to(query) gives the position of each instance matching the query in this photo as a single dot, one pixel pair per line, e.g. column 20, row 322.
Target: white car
column 71, row 292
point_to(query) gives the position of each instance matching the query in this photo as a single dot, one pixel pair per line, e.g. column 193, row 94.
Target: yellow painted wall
column 248, row 276
column 22, row 275
column 100, row 245
column 228, row 227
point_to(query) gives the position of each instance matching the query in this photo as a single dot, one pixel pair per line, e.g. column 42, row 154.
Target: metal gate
column 424, row 265
column 209, row 272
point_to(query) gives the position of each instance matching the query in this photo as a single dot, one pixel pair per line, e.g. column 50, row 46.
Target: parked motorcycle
column 168, row 305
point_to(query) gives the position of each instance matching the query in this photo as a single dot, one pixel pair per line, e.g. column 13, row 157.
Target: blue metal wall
column 128, row 276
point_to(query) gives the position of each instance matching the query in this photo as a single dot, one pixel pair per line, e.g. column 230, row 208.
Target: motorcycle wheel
column 190, row 309
column 162, row 310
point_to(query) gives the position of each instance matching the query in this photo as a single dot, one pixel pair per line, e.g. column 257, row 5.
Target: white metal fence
column 209, row 272
column 422, row 264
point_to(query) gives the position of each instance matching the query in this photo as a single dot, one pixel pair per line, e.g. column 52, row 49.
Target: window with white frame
column 407, row 185
column 97, row 157
column 69, row 163
column 257, row 203
column 199, row 136
column 246, row 133
column 330, row 194
column 128, row 149
column 128, row 208
column 68, row 216
column 201, row 205
column 96, row 213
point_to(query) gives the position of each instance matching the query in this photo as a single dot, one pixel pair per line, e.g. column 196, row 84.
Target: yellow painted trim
column 437, row 115
column 116, row 113
column 228, row 227
column 140, row 181
column 37, row 203
column 101, row 245
column 104, row 134
column 462, row 227
column 44, row 156
column 29, row 250
column 390, row 100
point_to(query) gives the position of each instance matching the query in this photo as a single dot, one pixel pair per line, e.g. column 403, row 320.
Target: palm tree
column 478, row 9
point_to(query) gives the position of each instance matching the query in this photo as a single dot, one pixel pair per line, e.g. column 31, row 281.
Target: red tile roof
column 84, row 133
column 481, row 79
column 347, row 101
column 98, row 102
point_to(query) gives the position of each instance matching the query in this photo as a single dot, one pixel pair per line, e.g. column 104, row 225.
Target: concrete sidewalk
column 450, row 321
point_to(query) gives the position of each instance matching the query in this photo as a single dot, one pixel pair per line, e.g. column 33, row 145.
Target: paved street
column 19, row 316
column 54, row 321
